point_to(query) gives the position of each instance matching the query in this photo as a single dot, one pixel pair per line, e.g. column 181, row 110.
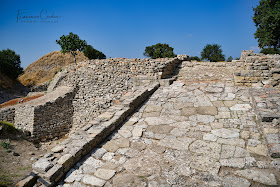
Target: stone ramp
column 187, row 134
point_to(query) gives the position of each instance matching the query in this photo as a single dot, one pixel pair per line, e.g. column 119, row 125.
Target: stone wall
column 259, row 70
column 101, row 83
column 48, row 116
column 7, row 114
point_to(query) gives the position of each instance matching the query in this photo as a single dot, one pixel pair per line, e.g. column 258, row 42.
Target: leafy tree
column 212, row 53
column 267, row 21
column 270, row 50
column 92, row 53
column 71, row 43
column 10, row 63
column 195, row 58
column 229, row 59
column 159, row 51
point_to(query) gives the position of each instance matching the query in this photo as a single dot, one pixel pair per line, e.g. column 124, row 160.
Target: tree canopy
column 267, row 20
column 92, row 53
column 10, row 63
column 213, row 53
column 270, row 50
column 71, row 43
column 195, row 58
column 229, row 59
column 159, row 51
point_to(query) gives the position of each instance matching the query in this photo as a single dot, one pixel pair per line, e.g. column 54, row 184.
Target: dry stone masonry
column 208, row 128
column 101, row 83
column 259, row 69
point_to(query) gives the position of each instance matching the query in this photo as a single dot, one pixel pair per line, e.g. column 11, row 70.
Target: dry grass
column 47, row 66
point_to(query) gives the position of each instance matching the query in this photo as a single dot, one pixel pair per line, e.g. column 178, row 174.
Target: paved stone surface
column 196, row 132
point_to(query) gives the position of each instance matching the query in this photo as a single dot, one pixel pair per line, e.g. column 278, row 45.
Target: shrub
column 195, row 58
column 213, row 53
column 159, row 51
column 92, row 53
column 10, row 63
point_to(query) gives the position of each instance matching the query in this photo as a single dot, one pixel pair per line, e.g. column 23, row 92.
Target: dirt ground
column 16, row 157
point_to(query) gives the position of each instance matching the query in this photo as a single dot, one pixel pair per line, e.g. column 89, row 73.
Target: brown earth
column 19, row 100
column 47, row 66
column 15, row 156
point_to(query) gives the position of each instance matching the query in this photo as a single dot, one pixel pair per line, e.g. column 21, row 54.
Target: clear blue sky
column 123, row 28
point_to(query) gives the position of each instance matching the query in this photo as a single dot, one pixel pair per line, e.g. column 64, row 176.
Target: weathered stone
column 159, row 120
column 232, row 141
column 42, row 165
column 110, row 146
column 98, row 153
column 243, row 107
column 232, row 181
column 202, row 118
column 160, row 129
column 104, row 173
column 223, row 115
column 174, row 143
column 125, row 133
column 207, row 110
column 178, row 132
column 93, row 181
column 259, row 149
column 152, row 108
column 210, row 149
column 137, row 132
column 188, row 111
column 73, row 175
column 210, row 137
column 125, row 179
column 258, row 176
column 240, row 152
column 227, row 151
column 121, row 142
column 58, row 149
column 233, row 162
column 225, row 133
column 205, row 163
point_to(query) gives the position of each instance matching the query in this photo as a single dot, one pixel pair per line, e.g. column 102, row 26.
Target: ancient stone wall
column 48, row 116
column 7, row 114
column 101, row 83
column 259, row 70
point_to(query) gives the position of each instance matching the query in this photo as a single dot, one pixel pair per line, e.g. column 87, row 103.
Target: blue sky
column 123, row 28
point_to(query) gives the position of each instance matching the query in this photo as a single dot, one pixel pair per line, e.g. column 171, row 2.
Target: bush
column 92, row 53
column 195, row 58
column 270, row 50
column 10, row 63
column 212, row 53
column 159, row 51
column 229, row 59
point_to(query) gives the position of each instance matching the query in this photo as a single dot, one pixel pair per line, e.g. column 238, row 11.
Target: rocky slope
column 10, row 89
column 44, row 69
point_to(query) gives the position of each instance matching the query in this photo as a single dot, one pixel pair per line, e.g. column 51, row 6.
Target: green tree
column 159, row 51
column 10, row 63
column 71, row 43
column 267, row 20
column 229, row 59
column 92, row 53
column 270, row 50
column 213, row 53
column 195, row 58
